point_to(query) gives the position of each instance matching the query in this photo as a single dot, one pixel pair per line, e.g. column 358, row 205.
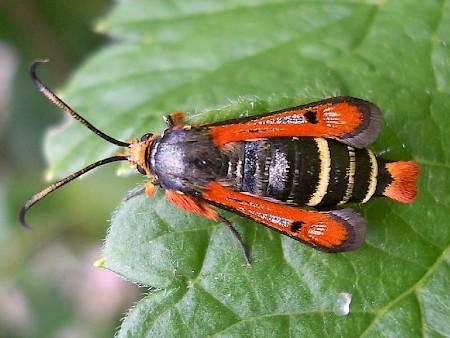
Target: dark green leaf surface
column 261, row 56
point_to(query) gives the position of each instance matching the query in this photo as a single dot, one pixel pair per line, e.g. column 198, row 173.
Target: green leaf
column 197, row 56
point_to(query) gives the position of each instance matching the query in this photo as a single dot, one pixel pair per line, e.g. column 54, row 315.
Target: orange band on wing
column 320, row 230
column 331, row 119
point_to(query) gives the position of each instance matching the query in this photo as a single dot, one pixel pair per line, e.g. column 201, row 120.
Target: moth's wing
column 352, row 121
column 331, row 231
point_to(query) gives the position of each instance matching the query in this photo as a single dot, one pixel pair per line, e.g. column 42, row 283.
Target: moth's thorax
column 185, row 159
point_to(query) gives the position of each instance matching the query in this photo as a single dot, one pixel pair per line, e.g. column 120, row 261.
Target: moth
column 268, row 168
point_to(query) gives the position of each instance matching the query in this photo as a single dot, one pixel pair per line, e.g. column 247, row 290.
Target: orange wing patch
column 353, row 121
column 325, row 120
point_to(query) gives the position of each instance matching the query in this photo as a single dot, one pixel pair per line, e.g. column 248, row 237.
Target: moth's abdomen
column 305, row 171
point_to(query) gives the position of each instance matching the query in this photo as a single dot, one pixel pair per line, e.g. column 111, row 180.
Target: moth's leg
column 238, row 237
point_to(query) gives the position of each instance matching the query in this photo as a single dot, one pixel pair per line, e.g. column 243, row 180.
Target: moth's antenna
column 60, row 103
column 40, row 195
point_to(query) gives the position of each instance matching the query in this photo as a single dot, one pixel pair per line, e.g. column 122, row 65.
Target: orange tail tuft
column 403, row 187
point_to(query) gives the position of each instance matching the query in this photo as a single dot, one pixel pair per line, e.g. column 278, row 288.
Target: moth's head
column 138, row 153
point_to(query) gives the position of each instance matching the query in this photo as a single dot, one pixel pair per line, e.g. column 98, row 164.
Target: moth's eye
column 145, row 137
column 141, row 169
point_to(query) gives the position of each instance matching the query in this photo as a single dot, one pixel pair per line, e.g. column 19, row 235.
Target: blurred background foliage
column 48, row 286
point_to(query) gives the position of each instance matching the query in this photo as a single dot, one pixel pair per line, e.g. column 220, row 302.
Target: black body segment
column 362, row 175
column 340, row 170
column 255, row 165
column 306, row 168
column 384, row 178
column 281, row 169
